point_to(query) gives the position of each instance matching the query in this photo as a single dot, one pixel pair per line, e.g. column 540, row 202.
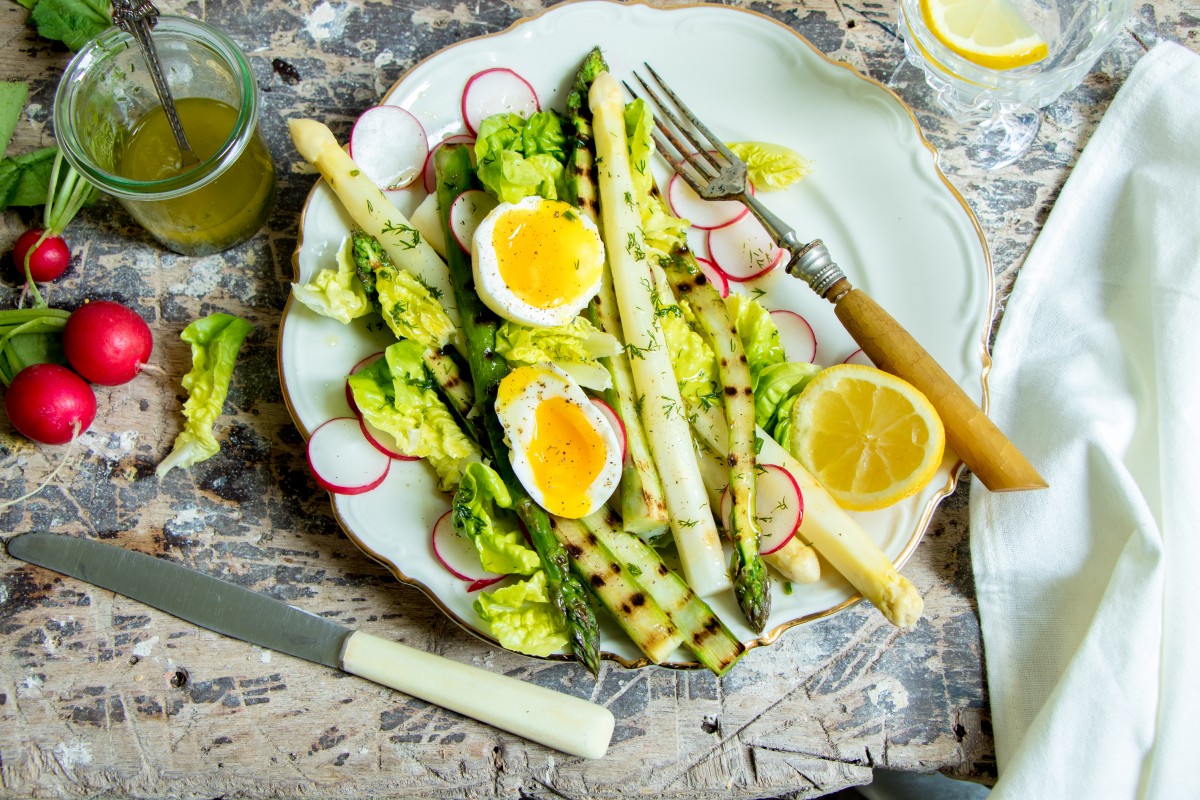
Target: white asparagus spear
column 843, row 543
column 370, row 209
column 663, row 413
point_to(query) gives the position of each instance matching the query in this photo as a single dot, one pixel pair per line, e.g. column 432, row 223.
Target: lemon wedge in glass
column 990, row 33
column 870, row 438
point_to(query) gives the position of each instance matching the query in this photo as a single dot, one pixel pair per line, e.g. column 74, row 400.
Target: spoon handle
column 137, row 20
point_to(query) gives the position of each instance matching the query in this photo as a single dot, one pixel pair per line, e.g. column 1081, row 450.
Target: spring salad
column 588, row 391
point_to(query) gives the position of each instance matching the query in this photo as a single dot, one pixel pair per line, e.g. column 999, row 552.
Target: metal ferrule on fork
column 808, row 261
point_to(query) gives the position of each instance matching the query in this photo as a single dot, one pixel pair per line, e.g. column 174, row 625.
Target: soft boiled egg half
column 564, row 452
column 537, row 262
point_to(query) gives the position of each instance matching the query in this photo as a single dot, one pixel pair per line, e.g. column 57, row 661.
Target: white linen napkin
column 1087, row 590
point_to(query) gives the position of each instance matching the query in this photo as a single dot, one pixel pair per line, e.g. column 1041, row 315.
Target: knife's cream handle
column 556, row 720
column 993, row 459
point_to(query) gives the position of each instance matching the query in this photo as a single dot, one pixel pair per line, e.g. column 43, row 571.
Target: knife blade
column 557, row 720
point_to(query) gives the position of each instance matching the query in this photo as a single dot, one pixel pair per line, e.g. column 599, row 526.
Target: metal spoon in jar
column 137, row 20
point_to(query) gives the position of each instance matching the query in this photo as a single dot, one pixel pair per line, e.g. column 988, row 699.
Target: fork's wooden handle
column 975, row 438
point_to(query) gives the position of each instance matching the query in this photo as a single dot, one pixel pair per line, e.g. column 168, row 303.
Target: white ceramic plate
column 875, row 197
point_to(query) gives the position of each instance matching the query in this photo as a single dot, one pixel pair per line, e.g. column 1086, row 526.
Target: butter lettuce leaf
column 639, row 133
column 781, row 426
column 662, row 231
column 578, row 340
column 517, row 157
column 336, row 293
column 480, row 514
column 575, row 347
column 216, row 341
column 522, row 618
column 411, row 309
column 771, row 166
column 692, row 358
column 777, row 383
column 760, row 337
column 396, row 395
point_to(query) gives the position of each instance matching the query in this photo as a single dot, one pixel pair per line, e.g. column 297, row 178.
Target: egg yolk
column 566, row 455
column 546, row 255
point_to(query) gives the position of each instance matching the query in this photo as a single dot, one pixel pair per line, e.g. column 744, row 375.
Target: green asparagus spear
column 488, row 368
column 638, row 613
column 751, row 583
column 704, row 634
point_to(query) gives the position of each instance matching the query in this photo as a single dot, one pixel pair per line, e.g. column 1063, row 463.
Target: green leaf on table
column 72, row 22
column 215, row 340
column 37, row 348
column 25, row 179
column 12, row 100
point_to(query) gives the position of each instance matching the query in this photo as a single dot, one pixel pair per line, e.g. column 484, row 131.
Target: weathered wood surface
column 100, row 696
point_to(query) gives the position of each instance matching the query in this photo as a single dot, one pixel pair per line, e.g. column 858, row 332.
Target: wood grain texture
column 100, row 696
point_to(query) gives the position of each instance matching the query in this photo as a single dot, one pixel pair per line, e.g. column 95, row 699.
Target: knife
column 557, row 720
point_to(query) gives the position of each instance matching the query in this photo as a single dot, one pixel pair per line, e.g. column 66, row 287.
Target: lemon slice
column 868, row 437
column 990, row 33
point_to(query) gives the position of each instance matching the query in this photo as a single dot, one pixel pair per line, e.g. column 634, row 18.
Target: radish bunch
column 105, row 343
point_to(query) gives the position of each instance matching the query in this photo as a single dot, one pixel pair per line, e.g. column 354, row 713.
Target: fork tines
column 711, row 174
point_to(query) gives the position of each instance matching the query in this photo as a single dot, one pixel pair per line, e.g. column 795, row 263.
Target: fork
column 717, row 174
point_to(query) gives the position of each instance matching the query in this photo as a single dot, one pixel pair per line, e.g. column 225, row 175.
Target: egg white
column 495, row 291
column 517, row 414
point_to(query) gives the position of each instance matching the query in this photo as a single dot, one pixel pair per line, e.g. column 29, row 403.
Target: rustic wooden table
column 100, row 696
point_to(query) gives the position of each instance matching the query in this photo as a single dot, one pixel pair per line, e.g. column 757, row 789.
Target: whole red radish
column 49, row 404
column 47, row 262
column 106, row 342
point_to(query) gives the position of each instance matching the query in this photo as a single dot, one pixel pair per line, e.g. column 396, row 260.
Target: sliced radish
column 430, row 178
column 342, row 460
column 361, row 365
column 614, row 419
column 467, row 211
column 714, row 275
column 778, row 507
column 405, row 200
column 796, row 335
column 859, row 357
column 703, row 214
column 496, row 91
column 389, row 145
column 483, row 584
column 384, row 442
column 458, row 555
column 744, row 250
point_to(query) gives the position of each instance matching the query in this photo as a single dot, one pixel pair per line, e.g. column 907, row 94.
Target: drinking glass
column 1004, row 106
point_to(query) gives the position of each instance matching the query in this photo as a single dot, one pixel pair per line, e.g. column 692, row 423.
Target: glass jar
column 111, row 127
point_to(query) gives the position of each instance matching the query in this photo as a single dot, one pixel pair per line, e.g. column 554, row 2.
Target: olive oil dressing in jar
column 111, row 127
